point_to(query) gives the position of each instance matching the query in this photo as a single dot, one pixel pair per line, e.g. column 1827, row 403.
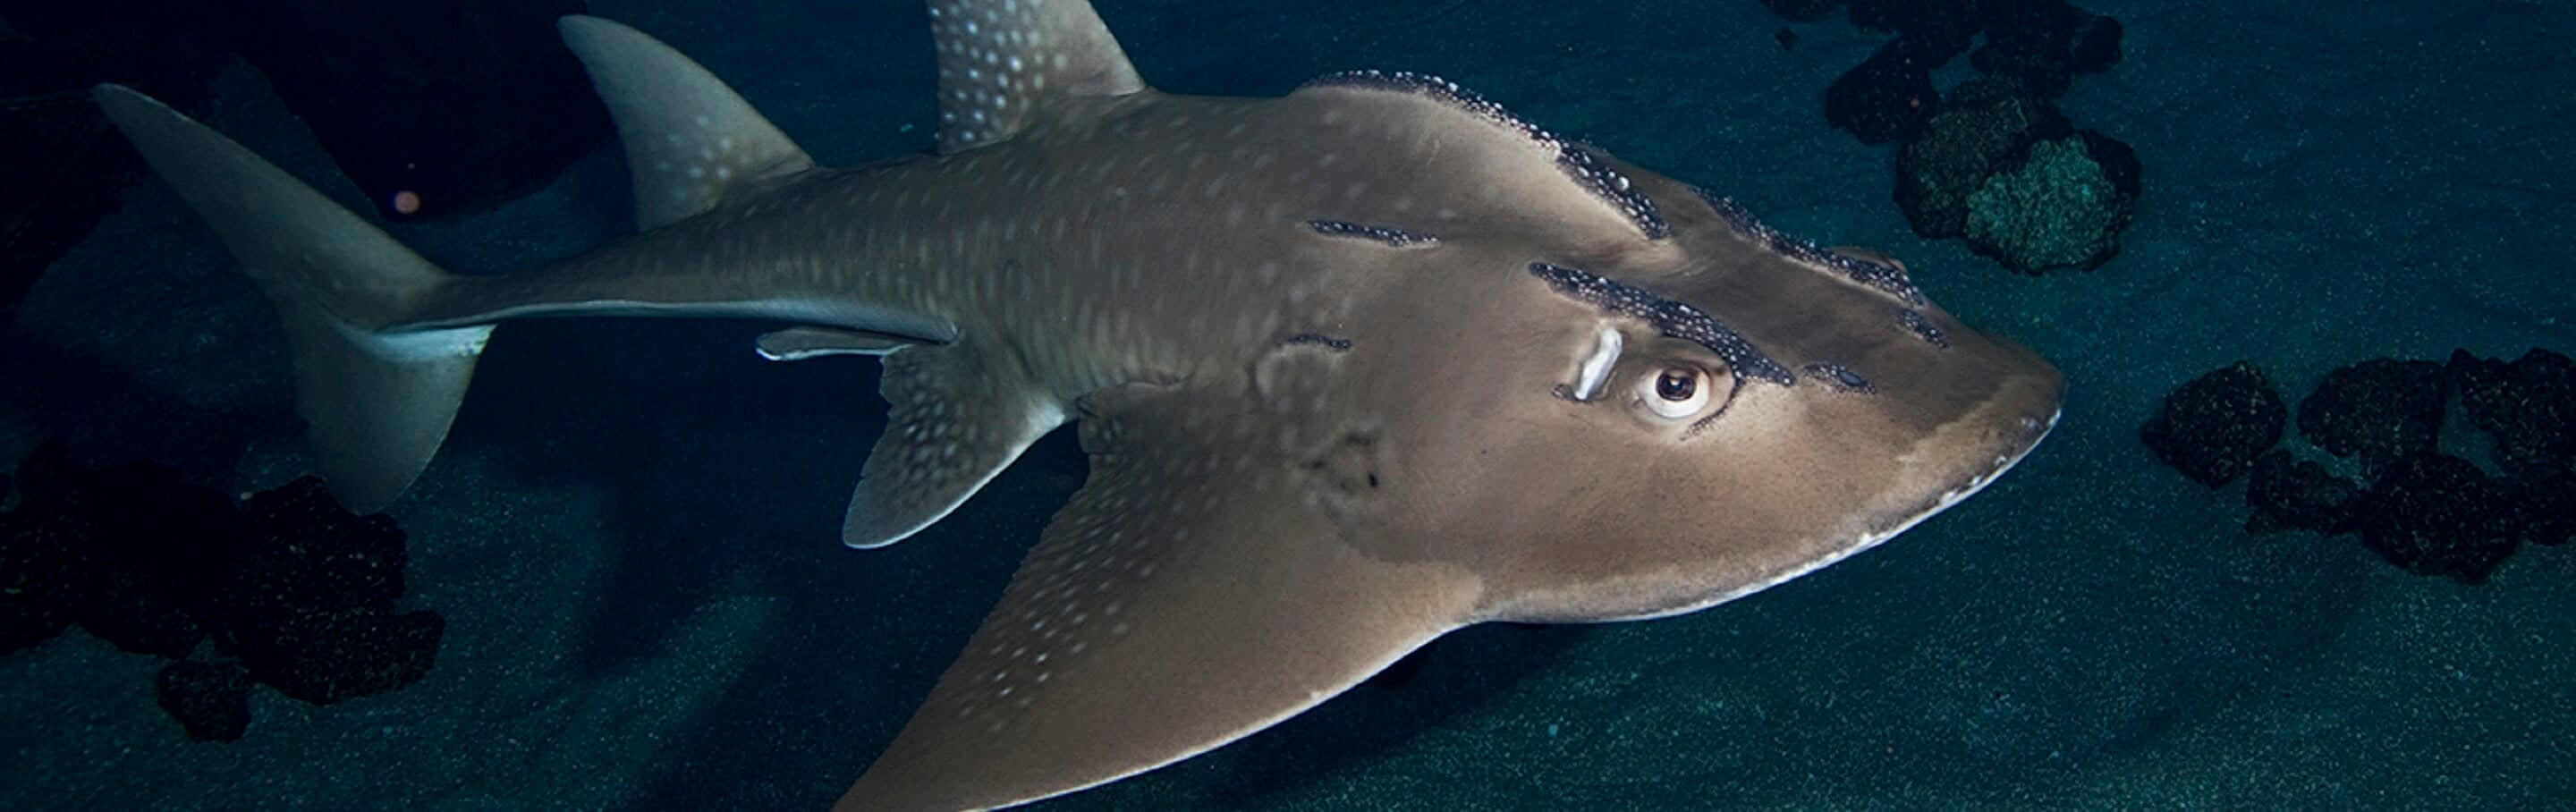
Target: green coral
column 2058, row 209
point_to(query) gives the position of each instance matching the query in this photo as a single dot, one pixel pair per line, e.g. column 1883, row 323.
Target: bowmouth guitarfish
column 1354, row 367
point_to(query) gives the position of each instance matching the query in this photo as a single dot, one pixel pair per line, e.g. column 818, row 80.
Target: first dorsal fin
column 690, row 140
column 1000, row 60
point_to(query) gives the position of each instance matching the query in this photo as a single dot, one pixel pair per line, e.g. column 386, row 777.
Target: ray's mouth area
column 2033, row 430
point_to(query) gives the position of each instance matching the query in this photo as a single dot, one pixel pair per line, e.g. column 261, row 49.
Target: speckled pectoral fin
column 954, row 420
column 1188, row 596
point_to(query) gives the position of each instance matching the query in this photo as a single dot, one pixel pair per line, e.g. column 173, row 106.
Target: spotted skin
column 1320, row 348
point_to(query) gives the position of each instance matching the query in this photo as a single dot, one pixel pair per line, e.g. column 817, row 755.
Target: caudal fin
column 378, row 398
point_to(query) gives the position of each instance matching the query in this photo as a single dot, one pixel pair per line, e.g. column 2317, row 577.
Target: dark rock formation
column 210, row 700
column 2435, row 514
column 44, row 557
column 153, row 540
column 2528, row 406
column 1985, row 127
column 2548, row 505
column 1941, row 28
column 2379, row 410
column 1886, row 97
column 2063, row 206
column 2041, row 44
column 2288, row 494
column 311, row 607
column 1802, row 11
column 2212, row 428
column 302, row 593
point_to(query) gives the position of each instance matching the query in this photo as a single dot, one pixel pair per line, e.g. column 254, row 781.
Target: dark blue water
column 633, row 531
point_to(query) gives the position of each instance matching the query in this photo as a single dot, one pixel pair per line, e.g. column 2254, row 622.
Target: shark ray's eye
column 1675, row 393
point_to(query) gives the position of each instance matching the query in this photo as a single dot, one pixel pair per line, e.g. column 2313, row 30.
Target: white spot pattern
column 998, row 58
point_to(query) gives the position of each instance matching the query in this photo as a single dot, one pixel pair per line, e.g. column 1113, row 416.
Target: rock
column 157, row 538
column 1886, row 97
column 2528, row 407
column 2212, row 428
column 310, row 606
column 44, row 573
column 1802, row 11
column 2378, row 410
column 2041, row 44
column 2435, row 514
column 2289, row 494
column 1941, row 28
column 2096, row 46
column 2548, row 505
column 210, row 700
column 1986, row 126
column 303, row 593
column 2063, row 206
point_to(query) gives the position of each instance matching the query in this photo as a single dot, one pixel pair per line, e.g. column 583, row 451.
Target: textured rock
column 2528, row 406
column 2288, row 494
column 1802, row 11
column 1886, row 97
column 303, row 593
column 2436, row 514
column 2041, row 44
column 310, row 608
column 2378, row 410
column 210, row 700
column 2212, row 428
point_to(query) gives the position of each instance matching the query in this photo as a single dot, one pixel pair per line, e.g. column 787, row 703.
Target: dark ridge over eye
column 1677, row 384
column 1671, row 319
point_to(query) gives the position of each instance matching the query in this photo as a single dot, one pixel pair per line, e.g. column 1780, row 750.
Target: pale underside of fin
column 800, row 343
column 954, row 420
column 1185, row 598
column 1002, row 60
column 378, row 402
column 690, row 140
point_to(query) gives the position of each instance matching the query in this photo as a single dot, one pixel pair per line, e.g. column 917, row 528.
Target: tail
column 378, row 398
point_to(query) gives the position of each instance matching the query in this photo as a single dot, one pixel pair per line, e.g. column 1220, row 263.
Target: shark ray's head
column 1645, row 425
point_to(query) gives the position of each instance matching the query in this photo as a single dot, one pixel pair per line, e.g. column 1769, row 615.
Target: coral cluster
column 1994, row 161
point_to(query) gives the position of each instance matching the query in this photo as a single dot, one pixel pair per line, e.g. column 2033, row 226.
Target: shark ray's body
column 1356, row 367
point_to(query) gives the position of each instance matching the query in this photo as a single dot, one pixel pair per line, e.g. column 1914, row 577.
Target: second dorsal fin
column 1001, row 60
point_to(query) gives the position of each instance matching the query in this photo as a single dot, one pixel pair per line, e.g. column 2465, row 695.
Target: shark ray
column 1354, row 367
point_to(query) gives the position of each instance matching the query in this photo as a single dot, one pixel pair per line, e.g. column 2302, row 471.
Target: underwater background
column 632, row 532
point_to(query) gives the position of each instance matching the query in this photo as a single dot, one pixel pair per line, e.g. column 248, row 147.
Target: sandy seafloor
column 633, row 532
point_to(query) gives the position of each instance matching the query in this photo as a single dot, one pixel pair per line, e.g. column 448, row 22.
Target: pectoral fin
column 955, row 419
column 1188, row 596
